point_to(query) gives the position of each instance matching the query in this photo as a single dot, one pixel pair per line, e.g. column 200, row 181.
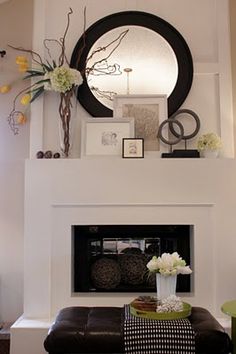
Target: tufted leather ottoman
column 99, row 330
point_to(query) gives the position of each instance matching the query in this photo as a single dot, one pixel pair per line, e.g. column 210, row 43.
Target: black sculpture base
column 181, row 154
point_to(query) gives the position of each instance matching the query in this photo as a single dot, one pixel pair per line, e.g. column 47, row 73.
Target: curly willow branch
column 100, row 49
column 51, row 40
column 33, row 54
column 14, row 112
column 62, row 57
column 83, row 46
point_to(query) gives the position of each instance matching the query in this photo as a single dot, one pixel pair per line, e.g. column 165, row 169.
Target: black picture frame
column 152, row 22
column 133, row 148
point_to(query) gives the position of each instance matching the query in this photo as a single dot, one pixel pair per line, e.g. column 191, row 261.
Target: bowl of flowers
column 209, row 145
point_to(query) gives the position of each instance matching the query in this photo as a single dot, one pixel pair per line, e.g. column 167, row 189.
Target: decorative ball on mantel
column 56, row 155
column 48, row 154
column 40, row 155
column 105, row 273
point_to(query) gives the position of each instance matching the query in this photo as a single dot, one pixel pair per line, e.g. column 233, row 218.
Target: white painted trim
column 95, row 205
column 206, row 68
column 225, row 76
column 37, row 108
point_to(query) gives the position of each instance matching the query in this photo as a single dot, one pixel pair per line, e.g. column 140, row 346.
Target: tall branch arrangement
column 53, row 74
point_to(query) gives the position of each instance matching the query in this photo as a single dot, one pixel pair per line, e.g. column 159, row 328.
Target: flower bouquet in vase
column 209, row 145
column 50, row 74
column 167, row 267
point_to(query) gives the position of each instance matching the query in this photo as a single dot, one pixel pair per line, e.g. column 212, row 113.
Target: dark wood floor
column 5, row 338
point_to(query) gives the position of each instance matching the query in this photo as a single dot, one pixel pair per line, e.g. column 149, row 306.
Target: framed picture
column 132, row 148
column 103, row 136
column 148, row 111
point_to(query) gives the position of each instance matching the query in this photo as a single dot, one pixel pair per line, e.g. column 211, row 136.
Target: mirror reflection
column 144, row 55
column 131, row 60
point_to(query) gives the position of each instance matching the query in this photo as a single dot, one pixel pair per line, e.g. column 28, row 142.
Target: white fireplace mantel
column 61, row 193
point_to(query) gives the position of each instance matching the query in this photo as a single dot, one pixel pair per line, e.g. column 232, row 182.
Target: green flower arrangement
column 62, row 79
column 209, row 141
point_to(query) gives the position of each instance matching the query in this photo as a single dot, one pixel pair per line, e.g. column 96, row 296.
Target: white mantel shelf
column 107, row 181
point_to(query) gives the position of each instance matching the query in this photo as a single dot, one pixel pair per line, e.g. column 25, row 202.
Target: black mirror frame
column 155, row 23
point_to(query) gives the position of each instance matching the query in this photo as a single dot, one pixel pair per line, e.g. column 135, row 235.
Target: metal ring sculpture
column 179, row 135
column 191, row 113
column 178, row 139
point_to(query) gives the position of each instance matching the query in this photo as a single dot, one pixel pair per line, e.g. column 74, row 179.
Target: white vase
column 166, row 285
column 210, row 154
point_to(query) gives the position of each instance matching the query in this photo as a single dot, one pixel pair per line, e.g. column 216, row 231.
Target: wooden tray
column 153, row 315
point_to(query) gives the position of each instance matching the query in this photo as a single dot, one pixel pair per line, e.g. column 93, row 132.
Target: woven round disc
column 133, row 268
column 105, row 273
column 131, row 250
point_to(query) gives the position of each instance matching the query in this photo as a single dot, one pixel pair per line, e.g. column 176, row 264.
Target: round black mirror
column 167, row 46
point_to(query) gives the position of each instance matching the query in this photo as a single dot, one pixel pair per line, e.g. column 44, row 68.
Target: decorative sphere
column 40, row 155
column 48, row 154
column 133, row 268
column 105, row 273
column 56, row 155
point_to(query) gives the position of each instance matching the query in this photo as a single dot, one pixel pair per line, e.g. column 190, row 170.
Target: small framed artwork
column 148, row 111
column 103, row 136
column 133, row 148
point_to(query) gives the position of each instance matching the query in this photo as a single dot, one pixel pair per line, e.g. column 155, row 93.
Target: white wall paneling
column 207, row 34
column 169, row 191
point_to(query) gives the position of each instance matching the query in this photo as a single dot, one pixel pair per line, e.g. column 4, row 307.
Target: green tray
column 162, row 315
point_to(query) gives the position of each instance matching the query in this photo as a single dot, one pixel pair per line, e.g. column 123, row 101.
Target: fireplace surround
column 113, row 258
column 64, row 193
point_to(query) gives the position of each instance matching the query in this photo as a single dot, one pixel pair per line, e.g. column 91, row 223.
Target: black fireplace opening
column 113, row 258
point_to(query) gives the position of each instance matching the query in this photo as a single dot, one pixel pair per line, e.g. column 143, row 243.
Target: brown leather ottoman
column 100, row 330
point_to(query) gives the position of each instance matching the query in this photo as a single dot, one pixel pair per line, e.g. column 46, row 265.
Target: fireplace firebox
column 113, row 258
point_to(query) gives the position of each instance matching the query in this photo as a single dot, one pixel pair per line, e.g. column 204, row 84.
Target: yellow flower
column 25, row 99
column 23, row 63
column 21, row 119
column 23, row 67
column 5, row 88
column 21, row 60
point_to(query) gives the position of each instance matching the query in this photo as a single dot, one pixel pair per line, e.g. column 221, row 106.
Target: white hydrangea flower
column 184, row 270
column 62, row 79
column 168, row 264
column 168, row 271
column 209, row 141
column 152, row 265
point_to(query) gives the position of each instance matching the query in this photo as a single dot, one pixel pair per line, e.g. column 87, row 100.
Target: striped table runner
column 146, row 336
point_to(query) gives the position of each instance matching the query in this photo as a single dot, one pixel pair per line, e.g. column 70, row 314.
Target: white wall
column 200, row 32
column 15, row 29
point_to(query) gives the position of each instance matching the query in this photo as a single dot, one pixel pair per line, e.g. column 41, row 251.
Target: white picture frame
column 103, row 136
column 148, row 111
